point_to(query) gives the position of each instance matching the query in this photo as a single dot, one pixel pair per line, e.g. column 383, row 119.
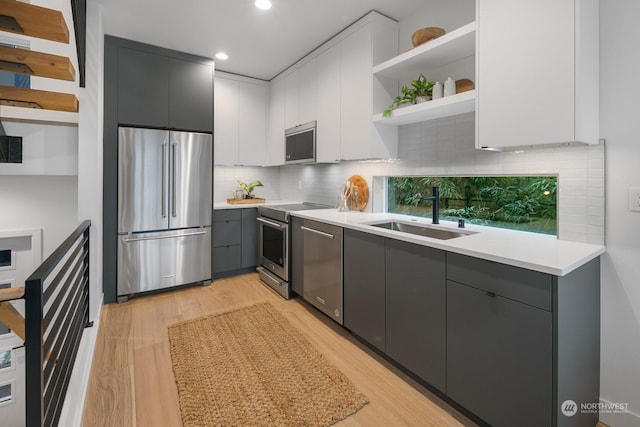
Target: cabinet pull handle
column 490, row 294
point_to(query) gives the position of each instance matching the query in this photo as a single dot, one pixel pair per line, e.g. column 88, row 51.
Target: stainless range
column 274, row 244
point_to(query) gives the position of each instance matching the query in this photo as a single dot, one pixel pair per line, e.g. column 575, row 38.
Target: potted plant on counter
column 420, row 91
column 248, row 188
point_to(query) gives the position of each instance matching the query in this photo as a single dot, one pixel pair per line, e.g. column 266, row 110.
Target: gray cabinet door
column 227, row 233
column 364, row 286
column 143, row 88
column 499, row 363
column 415, row 309
column 296, row 255
column 249, row 237
column 191, row 96
column 226, row 258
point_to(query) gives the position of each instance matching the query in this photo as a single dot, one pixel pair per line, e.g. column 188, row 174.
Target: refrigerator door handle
column 164, row 180
column 165, row 236
column 173, row 181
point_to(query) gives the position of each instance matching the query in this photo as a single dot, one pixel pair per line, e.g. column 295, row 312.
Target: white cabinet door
column 275, row 142
column 252, row 124
column 225, row 127
column 307, row 86
column 328, row 102
column 356, row 94
column 529, row 72
column 291, row 100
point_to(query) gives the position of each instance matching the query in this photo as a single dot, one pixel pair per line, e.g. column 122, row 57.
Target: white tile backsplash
column 446, row 147
column 225, row 181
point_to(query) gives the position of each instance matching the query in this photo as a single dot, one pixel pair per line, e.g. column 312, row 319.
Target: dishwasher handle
column 321, row 233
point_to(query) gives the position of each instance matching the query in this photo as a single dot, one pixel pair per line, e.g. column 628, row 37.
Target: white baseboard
column 73, row 408
column 619, row 419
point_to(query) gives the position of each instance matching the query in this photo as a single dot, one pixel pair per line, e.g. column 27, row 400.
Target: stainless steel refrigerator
column 164, row 209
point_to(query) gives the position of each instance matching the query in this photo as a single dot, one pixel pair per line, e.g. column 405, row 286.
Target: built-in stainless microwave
column 300, row 143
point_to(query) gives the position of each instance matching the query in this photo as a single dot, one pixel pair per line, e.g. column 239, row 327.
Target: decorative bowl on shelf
column 423, row 35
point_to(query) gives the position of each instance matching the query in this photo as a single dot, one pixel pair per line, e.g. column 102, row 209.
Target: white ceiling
column 259, row 43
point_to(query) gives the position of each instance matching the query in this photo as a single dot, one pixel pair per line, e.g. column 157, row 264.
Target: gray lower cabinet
column 234, row 241
column 364, row 286
column 520, row 342
column 249, row 237
column 498, row 357
column 415, row 310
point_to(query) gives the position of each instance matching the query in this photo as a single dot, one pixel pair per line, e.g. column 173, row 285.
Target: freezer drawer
column 150, row 261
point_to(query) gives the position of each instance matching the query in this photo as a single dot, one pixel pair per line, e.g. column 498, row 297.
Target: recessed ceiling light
column 222, row 56
column 263, row 4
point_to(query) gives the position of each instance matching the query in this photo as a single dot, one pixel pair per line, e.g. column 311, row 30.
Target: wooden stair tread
column 9, row 294
column 12, row 319
column 46, row 100
column 41, row 64
column 36, row 21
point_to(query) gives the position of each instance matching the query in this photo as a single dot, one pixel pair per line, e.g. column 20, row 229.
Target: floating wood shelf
column 21, row 97
column 34, row 63
column 34, row 21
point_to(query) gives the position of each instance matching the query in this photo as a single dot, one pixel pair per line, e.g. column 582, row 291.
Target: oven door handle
column 272, row 223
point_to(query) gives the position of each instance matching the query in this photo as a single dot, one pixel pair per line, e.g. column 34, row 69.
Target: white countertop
column 225, row 205
column 532, row 251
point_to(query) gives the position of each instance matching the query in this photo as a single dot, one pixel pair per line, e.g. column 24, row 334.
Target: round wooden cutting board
column 360, row 185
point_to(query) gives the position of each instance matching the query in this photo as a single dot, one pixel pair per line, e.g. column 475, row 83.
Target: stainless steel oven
column 274, row 242
column 274, row 254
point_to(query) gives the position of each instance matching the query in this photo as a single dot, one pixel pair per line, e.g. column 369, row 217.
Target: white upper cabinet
column 275, row 140
column 375, row 41
column 252, row 124
column 307, row 92
column 300, row 94
column 537, row 65
column 328, row 103
column 240, row 120
column 225, row 126
column 291, row 100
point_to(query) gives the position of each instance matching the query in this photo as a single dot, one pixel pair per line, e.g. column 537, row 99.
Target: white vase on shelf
column 449, row 87
column 437, row 90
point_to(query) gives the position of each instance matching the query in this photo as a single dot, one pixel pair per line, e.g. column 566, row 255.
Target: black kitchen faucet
column 435, row 199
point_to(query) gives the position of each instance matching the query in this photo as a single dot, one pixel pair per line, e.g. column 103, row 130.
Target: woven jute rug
column 251, row 367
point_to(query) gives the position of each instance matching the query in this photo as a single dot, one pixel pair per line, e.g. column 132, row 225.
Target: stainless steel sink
column 432, row 231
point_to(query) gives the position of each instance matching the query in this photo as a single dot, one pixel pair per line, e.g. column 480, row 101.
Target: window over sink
column 526, row 203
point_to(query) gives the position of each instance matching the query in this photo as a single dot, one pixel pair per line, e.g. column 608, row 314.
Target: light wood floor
column 132, row 381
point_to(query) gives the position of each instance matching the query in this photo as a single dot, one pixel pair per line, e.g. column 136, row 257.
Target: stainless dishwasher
column 322, row 275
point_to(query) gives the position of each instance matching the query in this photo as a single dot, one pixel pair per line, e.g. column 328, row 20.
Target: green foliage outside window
column 518, row 202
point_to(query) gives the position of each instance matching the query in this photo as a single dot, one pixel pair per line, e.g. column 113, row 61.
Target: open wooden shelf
column 20, row 97
column 34, row 21
column 460, row 103
column 40, row 64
